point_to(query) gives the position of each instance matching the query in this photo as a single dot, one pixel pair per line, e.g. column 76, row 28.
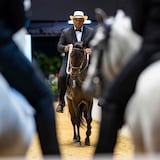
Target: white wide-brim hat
column 78, row 14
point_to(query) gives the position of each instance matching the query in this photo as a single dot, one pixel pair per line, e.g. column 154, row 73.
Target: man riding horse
column 78, row 32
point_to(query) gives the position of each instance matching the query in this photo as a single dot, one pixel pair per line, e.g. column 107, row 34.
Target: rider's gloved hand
column 88, row 51
column 66, row 49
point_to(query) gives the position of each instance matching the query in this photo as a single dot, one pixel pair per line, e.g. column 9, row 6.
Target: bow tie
column 78, row 30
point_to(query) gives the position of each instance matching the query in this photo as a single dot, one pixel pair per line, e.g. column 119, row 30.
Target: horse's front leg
column 88, row 117
column 78, row 138
column 74, row 133
column 77, row 120
column 73, row 118
column 74, row 128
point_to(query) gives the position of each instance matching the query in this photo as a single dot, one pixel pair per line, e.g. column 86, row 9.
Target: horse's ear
column 79, row 45
column 100, row 15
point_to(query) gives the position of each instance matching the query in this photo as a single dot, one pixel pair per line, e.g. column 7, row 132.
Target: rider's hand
column 66, row 49
column 88, row 51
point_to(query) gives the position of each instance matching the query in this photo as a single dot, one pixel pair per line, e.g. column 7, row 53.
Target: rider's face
column 78, row 22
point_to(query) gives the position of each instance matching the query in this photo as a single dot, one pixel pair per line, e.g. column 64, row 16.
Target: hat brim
column 84, row 17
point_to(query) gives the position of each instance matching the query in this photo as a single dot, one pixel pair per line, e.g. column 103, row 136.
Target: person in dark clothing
column 78, row 32
column 25, row 77
column 145, row 16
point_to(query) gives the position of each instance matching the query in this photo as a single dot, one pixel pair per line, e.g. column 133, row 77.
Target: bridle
column 70, row 66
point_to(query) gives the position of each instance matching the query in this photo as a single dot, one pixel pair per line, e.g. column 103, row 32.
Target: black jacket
column 12, row 13
column 68, row 36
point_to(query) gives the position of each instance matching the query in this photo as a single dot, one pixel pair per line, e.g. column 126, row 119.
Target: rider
column 78, row 32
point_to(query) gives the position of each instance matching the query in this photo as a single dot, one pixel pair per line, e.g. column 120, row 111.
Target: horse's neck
column 80, row 78
column 122, row 44
column 119, row 51
column 75, row 82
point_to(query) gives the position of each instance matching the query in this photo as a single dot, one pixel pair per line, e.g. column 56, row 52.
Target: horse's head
column 77, row 59
column 112, row 45
column 94, row 82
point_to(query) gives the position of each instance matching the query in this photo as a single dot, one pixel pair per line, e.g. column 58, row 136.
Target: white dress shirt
column 79, row 34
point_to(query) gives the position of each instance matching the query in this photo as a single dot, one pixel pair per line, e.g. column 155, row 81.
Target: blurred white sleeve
column 23, row 41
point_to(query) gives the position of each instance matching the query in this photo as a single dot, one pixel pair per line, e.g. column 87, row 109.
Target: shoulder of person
column 89, row 28
column 66, row 30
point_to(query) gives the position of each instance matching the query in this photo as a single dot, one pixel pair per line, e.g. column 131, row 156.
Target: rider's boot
column 62, row 86
column 61, row 101
column 60, row 107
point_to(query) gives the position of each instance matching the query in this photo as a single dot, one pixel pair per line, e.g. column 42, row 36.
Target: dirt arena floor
column 124, row 147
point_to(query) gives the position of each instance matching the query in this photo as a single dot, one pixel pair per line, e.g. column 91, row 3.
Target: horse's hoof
column 87, row 142
column 77, row 144
column 59, row 108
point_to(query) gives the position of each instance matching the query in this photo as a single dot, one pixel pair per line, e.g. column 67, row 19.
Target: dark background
column 59, row 10
column 49, row 17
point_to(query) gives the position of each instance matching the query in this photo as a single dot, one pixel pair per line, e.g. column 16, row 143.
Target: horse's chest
column 74, row 85
column 74, row 90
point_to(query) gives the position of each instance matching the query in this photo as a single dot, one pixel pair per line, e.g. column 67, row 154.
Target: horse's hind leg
column 88, row 118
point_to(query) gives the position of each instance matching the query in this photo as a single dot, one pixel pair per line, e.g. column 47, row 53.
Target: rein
column 82, row 65
column 68, row 62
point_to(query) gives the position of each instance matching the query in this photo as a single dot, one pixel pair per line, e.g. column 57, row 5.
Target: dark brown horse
column 79, row 103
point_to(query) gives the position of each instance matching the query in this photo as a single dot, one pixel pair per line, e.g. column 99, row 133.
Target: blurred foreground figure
column 145, row 16
column 17, row 125
column 25, row 77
